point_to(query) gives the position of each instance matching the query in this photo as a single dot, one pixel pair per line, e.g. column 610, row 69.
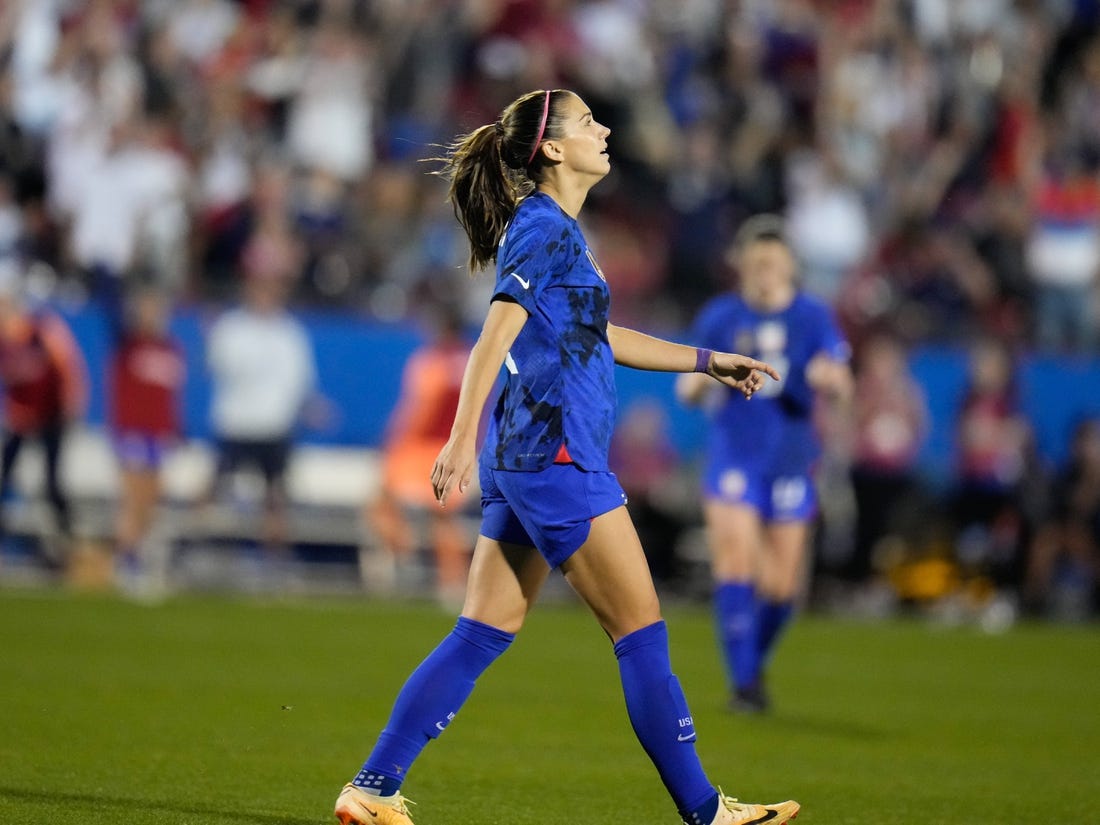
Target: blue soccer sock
column 736, row 618
column 662, row 722
column 771, row 618
column 429, row 700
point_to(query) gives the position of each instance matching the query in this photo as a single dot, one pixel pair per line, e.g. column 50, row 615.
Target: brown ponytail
column 494, row 167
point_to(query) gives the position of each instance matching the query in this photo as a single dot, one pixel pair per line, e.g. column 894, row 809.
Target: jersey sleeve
column 527, row 262
column 831, row 341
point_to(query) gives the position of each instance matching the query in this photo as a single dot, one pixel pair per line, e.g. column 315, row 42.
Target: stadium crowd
column 937, row 161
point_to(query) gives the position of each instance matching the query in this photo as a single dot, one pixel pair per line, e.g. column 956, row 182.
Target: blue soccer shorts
column 137, row 451
column 550, row 510
column 775, row 498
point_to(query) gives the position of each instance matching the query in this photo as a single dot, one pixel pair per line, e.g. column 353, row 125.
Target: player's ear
column 553, row 150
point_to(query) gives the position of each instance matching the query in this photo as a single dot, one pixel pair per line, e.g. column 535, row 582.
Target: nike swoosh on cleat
column 375, row 813
column 768, row 817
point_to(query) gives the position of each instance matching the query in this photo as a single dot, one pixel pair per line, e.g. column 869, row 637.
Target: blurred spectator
column 889, row 421
column 272, row 250
column 879, row 96
column 1063, row 253
column 993, row 455
column 146, row 381
column 829, row 227
column 1000, row 240
column 261, row 363
column 926, row 282
column 700, row 197
column 249, row 212
column 1064, row 558
column 130, row 212
column 94, row 94
column 751, row 109
column 329, row 128
column 199, row 28
column 45, row 389
column 418, row 428
column 791, row 35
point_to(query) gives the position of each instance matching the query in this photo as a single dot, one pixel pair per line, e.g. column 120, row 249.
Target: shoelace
column 731, row 803
column 400, row 803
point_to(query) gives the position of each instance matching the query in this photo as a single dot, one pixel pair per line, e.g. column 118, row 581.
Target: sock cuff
column 703, row 811
column 654, row 634
column 484, row 636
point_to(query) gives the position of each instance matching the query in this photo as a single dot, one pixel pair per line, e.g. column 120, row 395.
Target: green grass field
column 255, row 713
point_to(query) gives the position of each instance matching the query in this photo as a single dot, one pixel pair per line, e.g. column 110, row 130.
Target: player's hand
column 453, row 467
column 740, row 372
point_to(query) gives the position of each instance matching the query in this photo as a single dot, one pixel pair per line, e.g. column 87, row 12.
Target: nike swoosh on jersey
column 525, row 284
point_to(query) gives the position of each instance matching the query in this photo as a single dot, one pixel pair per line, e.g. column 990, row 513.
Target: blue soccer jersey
column 560, row 372
column 771, row 435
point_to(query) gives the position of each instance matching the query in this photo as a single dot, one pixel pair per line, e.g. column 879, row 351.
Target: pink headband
column 542, row 126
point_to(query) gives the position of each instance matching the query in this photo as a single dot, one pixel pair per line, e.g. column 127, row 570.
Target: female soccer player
column 758, row 491
column 548, row 499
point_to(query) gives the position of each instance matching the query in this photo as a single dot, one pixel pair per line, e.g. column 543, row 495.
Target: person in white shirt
column 262, row 365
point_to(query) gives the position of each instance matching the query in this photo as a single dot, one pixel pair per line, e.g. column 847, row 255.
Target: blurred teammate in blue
column 549, row 500
column 758, row 488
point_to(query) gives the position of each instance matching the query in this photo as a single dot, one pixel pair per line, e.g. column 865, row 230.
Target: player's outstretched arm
column 831, row 376
column 640, row 351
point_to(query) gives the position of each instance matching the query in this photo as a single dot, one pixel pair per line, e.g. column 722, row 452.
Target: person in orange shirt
column 44, row 389
column 417, row 430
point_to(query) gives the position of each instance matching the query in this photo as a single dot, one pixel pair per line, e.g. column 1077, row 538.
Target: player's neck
column 569, row 194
